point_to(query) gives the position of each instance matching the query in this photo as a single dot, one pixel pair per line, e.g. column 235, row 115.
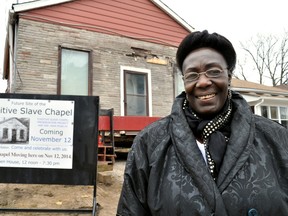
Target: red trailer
column 116, row 133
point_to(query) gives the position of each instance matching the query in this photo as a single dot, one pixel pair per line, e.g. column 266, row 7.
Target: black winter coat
column 166, row 174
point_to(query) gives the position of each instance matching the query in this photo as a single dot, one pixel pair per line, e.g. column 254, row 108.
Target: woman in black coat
column 211, row 155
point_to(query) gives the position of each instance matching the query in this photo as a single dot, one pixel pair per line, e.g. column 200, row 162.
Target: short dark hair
column 201, row 39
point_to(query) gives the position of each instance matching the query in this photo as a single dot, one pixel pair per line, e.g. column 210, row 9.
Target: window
column 75, row 76
column 178, row 82
column 5, row 133
column 276, row 113
column 264, row 111
column 136, row 95
column 22, row 134
column 284, row 116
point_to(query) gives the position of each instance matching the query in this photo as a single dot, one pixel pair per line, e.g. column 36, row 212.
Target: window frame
column 278, row 119
column 90, row 68
column 22, row 134
column 126, row 72
column 5, row 133
column 147, row 73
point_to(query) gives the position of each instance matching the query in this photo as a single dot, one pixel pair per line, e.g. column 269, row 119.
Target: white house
column 267, row 101
column 12, row 130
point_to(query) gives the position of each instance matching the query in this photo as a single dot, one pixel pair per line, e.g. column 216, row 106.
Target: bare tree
column 269, row 56
column 284, row 61
column 241, row 74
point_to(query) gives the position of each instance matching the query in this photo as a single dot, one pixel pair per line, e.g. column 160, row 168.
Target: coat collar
column 237, row 152
column 240, row 142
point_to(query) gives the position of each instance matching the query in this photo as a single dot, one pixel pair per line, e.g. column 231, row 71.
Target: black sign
column 48, row 139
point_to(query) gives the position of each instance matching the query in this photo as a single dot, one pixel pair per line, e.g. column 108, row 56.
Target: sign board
column 48, row 139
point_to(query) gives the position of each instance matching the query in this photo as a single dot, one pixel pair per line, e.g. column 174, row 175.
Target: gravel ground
column 108, row 195
column 63, row 196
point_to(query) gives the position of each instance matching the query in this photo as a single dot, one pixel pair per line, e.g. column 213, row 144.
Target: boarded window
column 75, row 75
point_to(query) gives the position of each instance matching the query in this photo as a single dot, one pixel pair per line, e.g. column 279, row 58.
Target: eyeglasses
column 211, row 73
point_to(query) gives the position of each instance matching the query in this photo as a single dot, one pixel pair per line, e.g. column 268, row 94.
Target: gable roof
column 137, row 19
column 11, row 119
column 256, row 88
column 171, row 31
column 172, row 14
column 256, row 94
column 21, row 7
column 282, row 86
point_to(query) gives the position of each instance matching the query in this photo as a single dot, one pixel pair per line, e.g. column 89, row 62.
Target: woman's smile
column 206, row 97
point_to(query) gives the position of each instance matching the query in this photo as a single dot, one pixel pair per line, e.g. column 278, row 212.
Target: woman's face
column 206, row 95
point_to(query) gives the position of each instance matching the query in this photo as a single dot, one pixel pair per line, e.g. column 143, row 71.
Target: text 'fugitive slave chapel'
column 36, row 133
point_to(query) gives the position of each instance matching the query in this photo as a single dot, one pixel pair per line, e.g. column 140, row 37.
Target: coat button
column 252, row 212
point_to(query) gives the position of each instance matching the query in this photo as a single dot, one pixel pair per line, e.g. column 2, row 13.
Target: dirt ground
column 30, row 196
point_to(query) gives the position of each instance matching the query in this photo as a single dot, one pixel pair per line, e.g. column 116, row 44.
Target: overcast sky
column 236, row 20
column 239, row 21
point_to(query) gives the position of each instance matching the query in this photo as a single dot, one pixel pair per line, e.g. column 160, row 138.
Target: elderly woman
column 211, row 155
